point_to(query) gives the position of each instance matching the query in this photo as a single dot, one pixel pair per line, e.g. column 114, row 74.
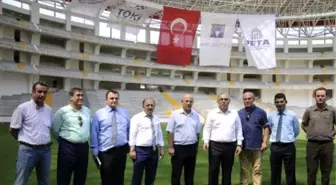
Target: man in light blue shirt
column 30, row 126
column 284, row 130
column 71, row 128
column 183, row 133
column 109, row 140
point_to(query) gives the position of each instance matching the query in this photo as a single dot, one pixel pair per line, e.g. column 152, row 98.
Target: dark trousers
column 221, row 154
column 286, row 153
column 112, row 170
column 146, row 160
column 185, row 157
column 319, row 152
column 72, row 158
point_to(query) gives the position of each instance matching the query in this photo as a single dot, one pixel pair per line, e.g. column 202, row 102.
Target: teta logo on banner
column 257, row 40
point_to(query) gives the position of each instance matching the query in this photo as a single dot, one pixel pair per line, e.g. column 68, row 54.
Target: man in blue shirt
column 30, row 126
column 256, row 134
column 183, row 133
column 284, row 129
column 109, row 140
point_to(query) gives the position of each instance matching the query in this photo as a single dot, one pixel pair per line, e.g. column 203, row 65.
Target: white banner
column 89, row 7
column 131, row 13
column 216, row 38
column 259, row 34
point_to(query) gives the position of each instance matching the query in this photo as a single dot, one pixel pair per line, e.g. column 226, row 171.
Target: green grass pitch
column 9, row 147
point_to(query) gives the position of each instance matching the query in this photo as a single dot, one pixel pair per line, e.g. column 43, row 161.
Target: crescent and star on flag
column 176, row 39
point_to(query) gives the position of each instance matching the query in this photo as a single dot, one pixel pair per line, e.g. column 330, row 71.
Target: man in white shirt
column 223, row 135
column 145, row 141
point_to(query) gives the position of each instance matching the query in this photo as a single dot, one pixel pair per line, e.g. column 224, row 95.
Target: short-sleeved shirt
column 33, row 123
column 185, row 127
column 71, row 124
column 321, row 123
column 253, row 123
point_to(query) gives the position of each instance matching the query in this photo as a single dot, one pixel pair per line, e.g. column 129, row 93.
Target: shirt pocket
column 121, row 120
column 216, row 124
column 258, row 122
column 145, row 125
column 327, row 117
column 180, row 124
column 104, row 124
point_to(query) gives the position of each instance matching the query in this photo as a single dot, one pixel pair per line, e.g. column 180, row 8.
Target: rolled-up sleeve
column 16, row 120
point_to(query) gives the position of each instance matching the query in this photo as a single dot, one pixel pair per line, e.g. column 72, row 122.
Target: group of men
column 112, row 135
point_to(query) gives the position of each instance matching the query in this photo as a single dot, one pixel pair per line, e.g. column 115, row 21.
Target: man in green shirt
column 71, row 128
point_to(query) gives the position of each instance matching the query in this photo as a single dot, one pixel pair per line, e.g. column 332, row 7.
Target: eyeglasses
column 247, row 117
column 80, row 121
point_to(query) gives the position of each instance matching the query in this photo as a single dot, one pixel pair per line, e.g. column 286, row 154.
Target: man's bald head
column 187, row 96
column 187, row 102
column 248, row 99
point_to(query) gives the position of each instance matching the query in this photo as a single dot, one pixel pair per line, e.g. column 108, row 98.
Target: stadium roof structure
column 283, row 9
column 278, row 7
column 317, row 12
column 303, row 15
column 289, row 13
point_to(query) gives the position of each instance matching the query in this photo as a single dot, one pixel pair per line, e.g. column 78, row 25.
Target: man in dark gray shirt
column 319, row 123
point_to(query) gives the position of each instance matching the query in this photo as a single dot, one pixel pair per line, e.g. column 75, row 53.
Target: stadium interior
column 41, row 41
column 66, row 46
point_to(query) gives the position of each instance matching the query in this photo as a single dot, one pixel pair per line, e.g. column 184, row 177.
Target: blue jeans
column 28, row 159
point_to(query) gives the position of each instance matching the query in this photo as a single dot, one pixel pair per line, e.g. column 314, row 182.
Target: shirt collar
column 220, row 111
column 73, row 109
column 145, row 115
column 181, row 111
column 284, row 112
column 35, row 105
column 316, row 108
column 250, row 109
column 109, row 109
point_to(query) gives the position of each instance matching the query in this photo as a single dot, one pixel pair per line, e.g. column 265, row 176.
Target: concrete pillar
column 35, row 13
column 36, row 38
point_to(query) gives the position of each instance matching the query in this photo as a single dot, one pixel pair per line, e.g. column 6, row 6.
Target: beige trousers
column 250, row 158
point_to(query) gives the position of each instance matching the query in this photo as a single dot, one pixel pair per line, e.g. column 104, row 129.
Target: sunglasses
column 247, row 117
column 80, row 121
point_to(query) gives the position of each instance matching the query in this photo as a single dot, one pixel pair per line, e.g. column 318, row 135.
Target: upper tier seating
column 9, row 103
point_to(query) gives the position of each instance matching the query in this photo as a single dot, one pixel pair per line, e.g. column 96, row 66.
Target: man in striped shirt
column 71, row 128
column 30, row 125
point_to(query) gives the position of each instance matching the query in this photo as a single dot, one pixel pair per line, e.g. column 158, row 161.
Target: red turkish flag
column 177, row 32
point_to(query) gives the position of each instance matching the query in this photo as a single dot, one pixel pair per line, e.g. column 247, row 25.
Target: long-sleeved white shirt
column 223, row 127
column 141, row 133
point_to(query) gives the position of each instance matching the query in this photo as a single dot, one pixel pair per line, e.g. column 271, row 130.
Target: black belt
column 281, row 143
column 319, row 141
column 43, row 146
